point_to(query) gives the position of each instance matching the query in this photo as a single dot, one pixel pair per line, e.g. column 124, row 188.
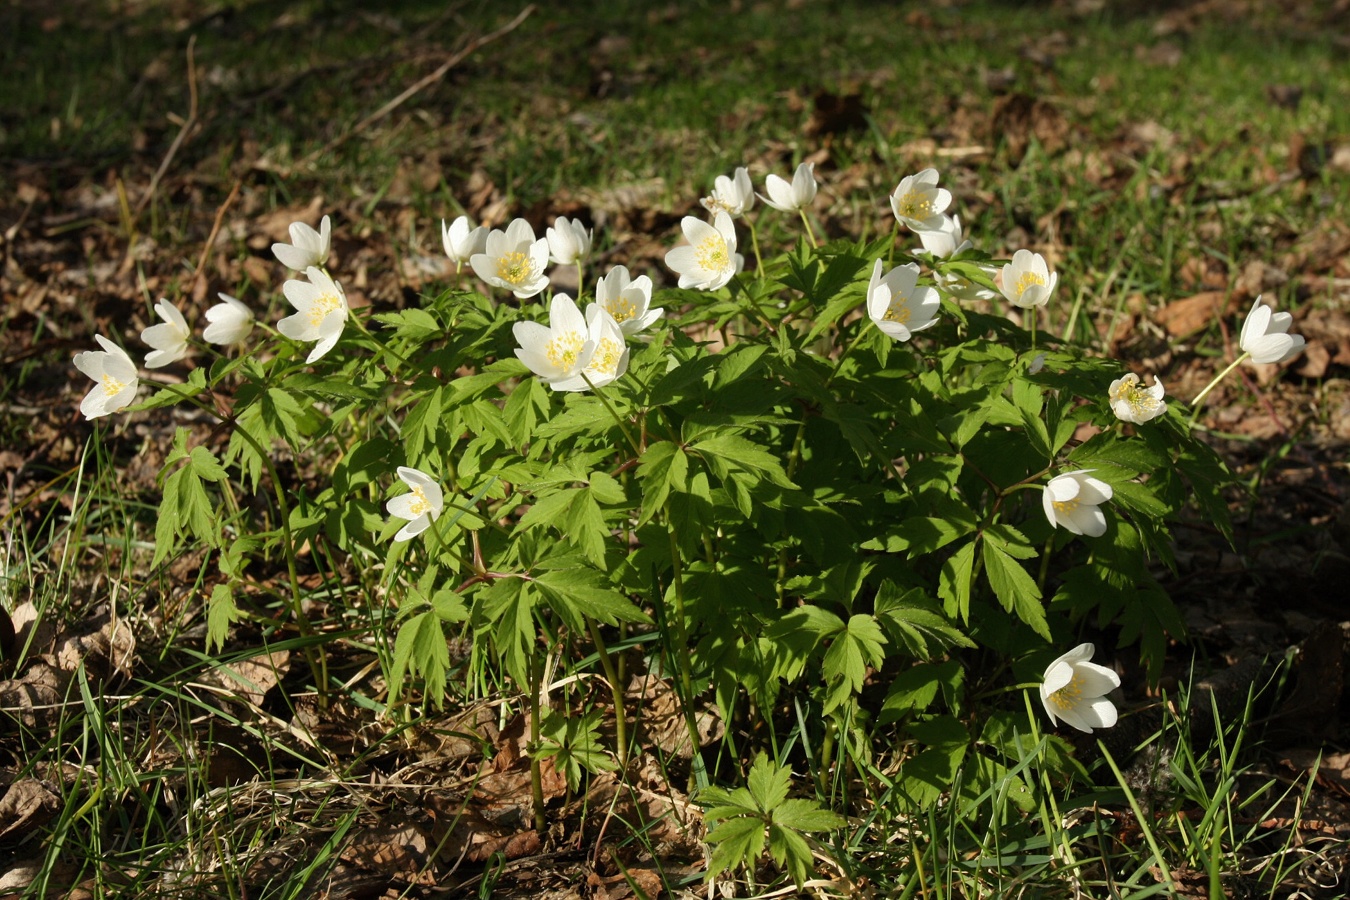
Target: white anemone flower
column 791, row 196
column 560, row 351
column 735, row 195
column 608, row 360
column 1073, row 691
column 627, row 299
column 115, row 375
column 918, row 203
column 462, row 240
column 1027, row 281
column 1265, row 335
column 945, row 240
column 710, row 259
column 168, row 339
column 1131, row 401
column 421, row 506
column 568, row 241
column 1073, row 502
column 513, row 260
column 962, row 288
column 898, row 305
column 321, row 311
column 307, row 247
column 230, row 321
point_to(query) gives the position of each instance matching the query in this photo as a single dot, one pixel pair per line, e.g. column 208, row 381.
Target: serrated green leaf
column 954, row 582
column 221, row 612
column 1014, row 588
column 420, row 647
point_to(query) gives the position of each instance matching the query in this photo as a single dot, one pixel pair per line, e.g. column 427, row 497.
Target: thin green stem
column 1200, row 397
column 581, row 281
column 384, row 348
column 698, row 773
column 623, row 426
column 809, row 233
column 536, row 773
column 754, row 243
column 616, row 691
column 750, row 306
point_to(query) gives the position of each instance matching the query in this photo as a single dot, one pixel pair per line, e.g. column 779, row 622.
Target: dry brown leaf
column 251, row 679
column 1185, row 317
column 27, row 806
column 398, row 851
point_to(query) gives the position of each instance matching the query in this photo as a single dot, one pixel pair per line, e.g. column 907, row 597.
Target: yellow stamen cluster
column 1071, row 694
column 606, row 358
column 420, row 503
column 563, row 350
column 713, row 204
column 711, row 253
column 514, row 267
column 916, row 205
column 897, row 312
column 1136, row 395
column 320, row 309
column 1067, row 506
column 622, row 310
column 111, row 386
column 1026, row 280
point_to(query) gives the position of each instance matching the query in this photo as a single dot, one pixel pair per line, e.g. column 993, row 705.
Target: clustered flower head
column 710, row 259
column 898, row 305
column 791, row 196
column 307, row 247
column 169, row 339
column 1265, row 335
column 1073, row 502
column 462, row 240
column 513, row 260
column 321, row 311
column 918, row 203
column 1027, row 281
column 734, row 196
column 1131, row 401
column 1073, row 691
column 421, row 506
column 114, row 375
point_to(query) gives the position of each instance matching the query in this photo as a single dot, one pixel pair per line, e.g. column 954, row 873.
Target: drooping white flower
column 1073, row 691
column 791, row 196
column 627, row 300
column 307, row 247
column 609, row 358
column 230, row 322
column 897, row 304
column 962, row 288
column 1265, row 335
column 321, row 311
column 568, row 241
column 513, row 260
column 559, row 351
column 169, row 339
column 462, row 240
column 710, row 259
column 735, row 195
column 1037, row 363
column 918, row 203
column 421, row 506
column 945, row 240
column 1132, row 402
column 115, row 378
column 1027, row 281
column 1073, row 501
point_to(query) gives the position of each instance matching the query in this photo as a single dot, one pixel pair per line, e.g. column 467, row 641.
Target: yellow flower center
column 606, row 358
column 420, row 502
column 713, row 203
column 1026, row 280
column 1066, row 506
column 1136, row 395
column 711, row 253
column 622, row 310
column 111, row 386
column 897, row 312
column 319, row 311
column 564, row 349
column 1070, row 695
column 514, row 267
column 916, row 205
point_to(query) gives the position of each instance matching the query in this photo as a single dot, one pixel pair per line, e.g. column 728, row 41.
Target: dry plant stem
column 615, row 688
column 188, row 124
column 211, row 238
column 454, row 60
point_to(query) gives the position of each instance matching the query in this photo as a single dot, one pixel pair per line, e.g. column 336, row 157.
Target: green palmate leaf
column 506, row 614
column 737, row 362
column 1012, row 585
column 421, row 648
column 768, row 783
column 729, row 453
column 577, row 592
column 573, row 742
column 914, row 622
column 421, row 424
column 663, row 466
column 221, row 612
column 915, row 689
column 926, row 777
column 852, row 649
column 185, row 507
column 173, row 394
